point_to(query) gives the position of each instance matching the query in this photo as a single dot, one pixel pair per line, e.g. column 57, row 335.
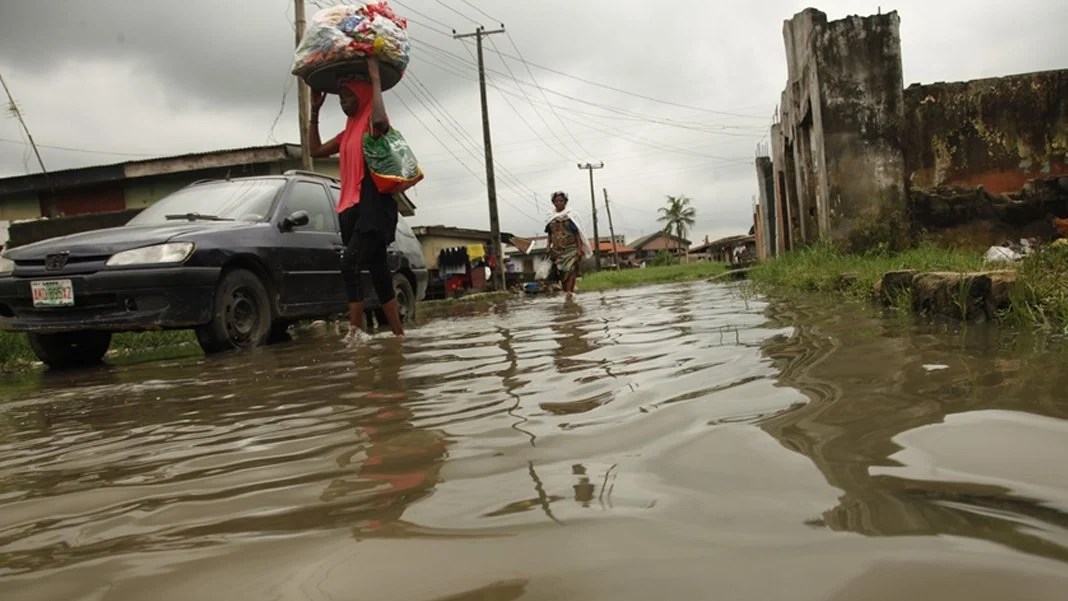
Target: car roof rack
column 311, row 174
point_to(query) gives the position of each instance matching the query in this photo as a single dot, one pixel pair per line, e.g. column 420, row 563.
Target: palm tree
column 677, row 217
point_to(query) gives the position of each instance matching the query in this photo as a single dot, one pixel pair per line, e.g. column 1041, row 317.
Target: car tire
column 70, row 349
column 402, row 289
column 241, row 314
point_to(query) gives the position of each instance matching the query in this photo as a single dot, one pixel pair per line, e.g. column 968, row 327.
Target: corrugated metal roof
column 117, row 171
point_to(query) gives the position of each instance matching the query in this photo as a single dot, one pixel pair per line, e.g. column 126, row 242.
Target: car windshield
column 241, row 200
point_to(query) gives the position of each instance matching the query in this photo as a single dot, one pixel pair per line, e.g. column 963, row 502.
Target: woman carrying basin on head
column 368, row 217
column 567, row 241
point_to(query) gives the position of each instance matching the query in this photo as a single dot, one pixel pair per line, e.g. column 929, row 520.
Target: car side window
column 311, row 197
column 335, row 196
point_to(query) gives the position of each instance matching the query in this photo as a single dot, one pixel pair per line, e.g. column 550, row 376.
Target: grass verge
column 607, row 279
column 1040, row 295
column 15, row 353
column 821, row 268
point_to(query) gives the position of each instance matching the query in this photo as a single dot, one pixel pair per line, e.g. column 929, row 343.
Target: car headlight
column 172, row 252
column 6, row 265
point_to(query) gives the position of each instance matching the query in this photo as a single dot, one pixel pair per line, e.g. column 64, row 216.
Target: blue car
column 237, row 261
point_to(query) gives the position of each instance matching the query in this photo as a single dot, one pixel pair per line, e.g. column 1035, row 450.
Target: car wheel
column 402, row 288
column 241, row 317
column 70, row 349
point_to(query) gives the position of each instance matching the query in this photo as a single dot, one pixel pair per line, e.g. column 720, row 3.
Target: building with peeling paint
column 855, row 156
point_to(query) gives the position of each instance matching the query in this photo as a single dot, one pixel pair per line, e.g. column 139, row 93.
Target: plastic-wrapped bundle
column 339, row 39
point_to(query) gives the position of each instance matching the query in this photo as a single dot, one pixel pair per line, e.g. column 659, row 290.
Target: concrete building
column 646, row 247
column 998, row 133
column 529, row 257
column 730, row 250
column 764, row 216
column 840, row 115
column 108, row 195
column 858, row 160
column 436, row 238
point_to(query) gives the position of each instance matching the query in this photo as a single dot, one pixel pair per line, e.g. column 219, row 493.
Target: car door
column 308, row 254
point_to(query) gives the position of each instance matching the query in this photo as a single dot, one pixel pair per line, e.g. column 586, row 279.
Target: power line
column 480, row 11
column 443, row 144
column 542, row 90
column 434, row 114
column 424, row 15
column 523, row 119
column 584, row 80
column 281, row 108
column 538, row 113
column 14, row 110
column 590, row 82
column 623, row 135
column 69, row 149
column 608, row 108
column 462, row 16
column 473, row 148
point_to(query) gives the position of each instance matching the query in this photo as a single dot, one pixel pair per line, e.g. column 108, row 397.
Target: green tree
column 677, row 217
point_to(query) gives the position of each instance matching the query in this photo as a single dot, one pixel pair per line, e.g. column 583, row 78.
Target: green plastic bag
column 391, row 161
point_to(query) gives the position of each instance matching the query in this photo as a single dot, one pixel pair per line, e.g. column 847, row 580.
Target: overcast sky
column 105, row 81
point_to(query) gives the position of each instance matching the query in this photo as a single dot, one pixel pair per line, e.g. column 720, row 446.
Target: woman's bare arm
column 315, row 145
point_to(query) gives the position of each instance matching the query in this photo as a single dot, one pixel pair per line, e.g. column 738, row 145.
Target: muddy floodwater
column 667, row 442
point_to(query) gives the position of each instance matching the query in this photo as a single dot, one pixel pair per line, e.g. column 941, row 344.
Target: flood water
column 668, row 442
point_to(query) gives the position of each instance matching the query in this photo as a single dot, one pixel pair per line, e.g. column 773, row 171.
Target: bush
column 663, row 258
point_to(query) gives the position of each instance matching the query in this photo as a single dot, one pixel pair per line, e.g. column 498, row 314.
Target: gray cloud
column 165, row 78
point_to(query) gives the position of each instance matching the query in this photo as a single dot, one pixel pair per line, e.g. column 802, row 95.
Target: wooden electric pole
column 491, row 185
column 593, row 203
column 611, row 228
column 303, row 94
column 14, row 109
column 51, row 209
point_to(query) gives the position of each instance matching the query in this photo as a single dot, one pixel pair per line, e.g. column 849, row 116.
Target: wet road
column 674, row 442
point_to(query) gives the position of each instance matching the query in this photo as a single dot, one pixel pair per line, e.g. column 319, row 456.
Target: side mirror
column 295, row 219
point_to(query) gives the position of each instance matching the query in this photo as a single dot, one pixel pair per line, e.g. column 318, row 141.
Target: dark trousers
column 363, row 250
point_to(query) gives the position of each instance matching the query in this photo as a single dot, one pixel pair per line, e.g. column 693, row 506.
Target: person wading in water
column 567, row 242
column 367, row 216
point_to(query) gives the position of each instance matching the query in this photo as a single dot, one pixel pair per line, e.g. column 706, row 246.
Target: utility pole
column 611, row 228
column 593, row 203
column 491, row 185
column 303, row 94
column 14, row 108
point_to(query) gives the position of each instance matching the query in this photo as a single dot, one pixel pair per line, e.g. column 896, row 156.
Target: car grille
column 35, row 268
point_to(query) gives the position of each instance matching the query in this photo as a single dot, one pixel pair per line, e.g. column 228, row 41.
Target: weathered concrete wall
column 767, row 232
column 802, row 122
column 862, row 109
column 998, row 133
column 839, row 168
column 24, row 205
column 787, row 224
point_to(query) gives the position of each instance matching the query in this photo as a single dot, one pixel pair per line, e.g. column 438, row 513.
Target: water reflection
column 393, row 463
column 872, row 380
column 535, row 442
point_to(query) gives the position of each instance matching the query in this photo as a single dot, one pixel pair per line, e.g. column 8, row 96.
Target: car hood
column 109, row 241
